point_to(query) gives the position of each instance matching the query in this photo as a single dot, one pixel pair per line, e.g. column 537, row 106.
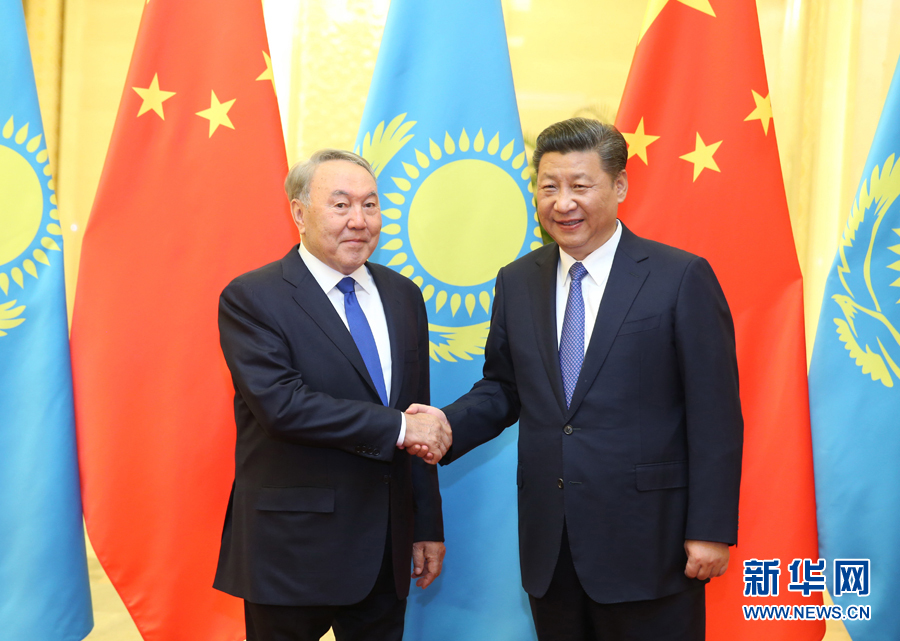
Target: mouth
column 568, row 224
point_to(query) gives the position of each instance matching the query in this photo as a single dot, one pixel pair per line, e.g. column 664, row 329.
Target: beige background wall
column 829, row 65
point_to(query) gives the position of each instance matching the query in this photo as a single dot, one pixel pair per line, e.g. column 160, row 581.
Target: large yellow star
column 656, row 6
column 217, row 114
column 268, row 74
column 763, row 111
column 153, row 97
column 702, row 156
column 639, row 141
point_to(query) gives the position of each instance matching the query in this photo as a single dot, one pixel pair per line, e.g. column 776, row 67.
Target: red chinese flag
column 190, row 197
column 704, row 175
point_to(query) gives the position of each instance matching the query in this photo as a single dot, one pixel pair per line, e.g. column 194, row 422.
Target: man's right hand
column 428, row 433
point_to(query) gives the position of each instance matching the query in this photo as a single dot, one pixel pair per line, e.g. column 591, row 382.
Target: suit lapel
column 393, row 313
column 543, row 314
column 626, row 278
column 310, row 297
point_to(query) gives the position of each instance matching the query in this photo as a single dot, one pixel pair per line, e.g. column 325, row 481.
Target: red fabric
column 693, row 73
column 177, row 215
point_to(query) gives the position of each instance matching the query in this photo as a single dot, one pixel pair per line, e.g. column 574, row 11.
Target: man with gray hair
column 329, row 504
column 616, row 355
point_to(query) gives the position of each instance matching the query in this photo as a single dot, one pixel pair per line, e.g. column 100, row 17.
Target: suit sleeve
column 285, row 407
column 493, row 403
column 429, row 520
column 705, row 343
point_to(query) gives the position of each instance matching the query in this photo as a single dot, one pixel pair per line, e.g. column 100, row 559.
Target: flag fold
column 190, row 197
column 853, row 381
column 43, row 567
column 441, row 128
column 704, row 175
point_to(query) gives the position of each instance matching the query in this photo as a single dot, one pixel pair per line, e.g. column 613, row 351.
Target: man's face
column 577, row 200
column 341, row 224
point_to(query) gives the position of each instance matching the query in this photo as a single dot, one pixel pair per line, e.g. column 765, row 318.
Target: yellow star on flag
column 702, row 156
column 639, row 141
column 656, row 6
column 153, row 97
column 217, row 114
column 268, row 74
column 763, row 111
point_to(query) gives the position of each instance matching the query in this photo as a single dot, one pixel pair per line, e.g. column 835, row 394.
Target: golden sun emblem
column 455, row 213
column 28, row 216
column 865, row 317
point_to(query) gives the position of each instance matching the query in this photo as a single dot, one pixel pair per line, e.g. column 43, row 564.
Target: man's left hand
column 706, row 559
column 428, row 559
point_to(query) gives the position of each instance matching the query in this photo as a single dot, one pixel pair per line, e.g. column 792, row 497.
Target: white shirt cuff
column 402, row 436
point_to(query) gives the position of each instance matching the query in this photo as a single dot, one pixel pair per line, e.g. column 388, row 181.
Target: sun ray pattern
column 28, row 215
column 456, row 208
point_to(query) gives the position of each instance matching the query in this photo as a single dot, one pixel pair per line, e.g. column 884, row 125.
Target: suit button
column 376, row 452
column 386, row 478
column 567, row 429
column 560, row 484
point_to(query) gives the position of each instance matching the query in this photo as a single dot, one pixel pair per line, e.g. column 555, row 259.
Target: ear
column 621, row 184
column 298, row 213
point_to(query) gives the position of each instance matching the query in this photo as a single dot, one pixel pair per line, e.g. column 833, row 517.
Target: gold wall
column 829, row 65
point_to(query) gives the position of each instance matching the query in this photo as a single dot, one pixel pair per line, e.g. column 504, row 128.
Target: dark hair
column 584, row 134
column 299, row 178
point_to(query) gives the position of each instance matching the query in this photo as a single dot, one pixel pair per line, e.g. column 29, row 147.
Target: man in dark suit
column 616, row 355
column 327, row 507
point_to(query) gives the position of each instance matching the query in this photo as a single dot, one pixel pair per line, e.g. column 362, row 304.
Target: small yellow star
column 153, row 97
column 702, row 156
column 656, row 6
column 639, row 141
column 268, row 74
column 763, row 111
column 217, row 114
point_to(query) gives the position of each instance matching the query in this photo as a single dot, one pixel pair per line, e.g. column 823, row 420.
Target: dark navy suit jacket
column 649, row 452
column 316, row 465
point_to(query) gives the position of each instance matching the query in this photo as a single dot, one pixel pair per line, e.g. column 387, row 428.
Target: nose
column 564, row 202
column 357, row 219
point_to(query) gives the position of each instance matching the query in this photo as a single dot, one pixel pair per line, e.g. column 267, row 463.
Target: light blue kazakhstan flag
column 854, row 385
column 441, row 128
column 44, row 592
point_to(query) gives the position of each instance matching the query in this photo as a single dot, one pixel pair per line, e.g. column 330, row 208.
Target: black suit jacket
column 316, row 463
column 649, row 452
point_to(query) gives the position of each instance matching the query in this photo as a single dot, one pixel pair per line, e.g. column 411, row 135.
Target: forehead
column 574, row 163
column 342, row 175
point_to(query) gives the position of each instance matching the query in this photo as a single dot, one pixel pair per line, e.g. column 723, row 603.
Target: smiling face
column 577, row 200
column 341, row 223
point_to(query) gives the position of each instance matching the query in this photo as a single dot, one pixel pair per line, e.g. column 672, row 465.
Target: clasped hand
column 428, row 433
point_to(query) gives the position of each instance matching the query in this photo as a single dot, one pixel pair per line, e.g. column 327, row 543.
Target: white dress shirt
column 598, row 265
column 370, row 303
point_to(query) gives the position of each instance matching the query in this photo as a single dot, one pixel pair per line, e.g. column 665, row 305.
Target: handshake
column 428, row 434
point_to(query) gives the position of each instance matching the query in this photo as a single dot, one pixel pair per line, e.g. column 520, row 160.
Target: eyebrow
column 341, row 192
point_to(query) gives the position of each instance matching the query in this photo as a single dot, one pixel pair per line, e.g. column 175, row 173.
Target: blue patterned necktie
column 571, row 342
column 362, row 335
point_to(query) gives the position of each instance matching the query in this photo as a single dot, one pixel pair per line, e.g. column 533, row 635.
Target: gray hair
column 296, row 185
column 584, row 134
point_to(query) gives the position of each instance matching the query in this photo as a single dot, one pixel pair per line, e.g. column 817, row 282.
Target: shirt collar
column 328, row 277
column 594, row 261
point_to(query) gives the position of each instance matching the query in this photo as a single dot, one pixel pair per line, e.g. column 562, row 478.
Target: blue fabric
column 362, row 336
column 441, row 128
column 44, row 591
column 571, row 341
column 854, row 387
